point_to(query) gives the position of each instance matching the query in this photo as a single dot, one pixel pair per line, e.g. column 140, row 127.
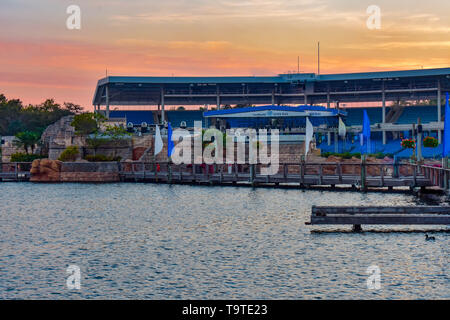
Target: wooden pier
column 15, row 171
column 357, row 216
column 358, row 175
column 362, row 176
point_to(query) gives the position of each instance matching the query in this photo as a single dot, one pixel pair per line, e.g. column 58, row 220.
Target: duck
column 428, row 238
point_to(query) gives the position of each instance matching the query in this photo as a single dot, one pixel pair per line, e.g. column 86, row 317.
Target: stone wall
column 8, row 148
column 56, row 171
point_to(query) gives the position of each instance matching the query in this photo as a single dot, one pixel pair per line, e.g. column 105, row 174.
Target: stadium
column 399, row 104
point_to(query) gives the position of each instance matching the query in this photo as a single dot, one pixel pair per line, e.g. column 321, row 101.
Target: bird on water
column 428, row 238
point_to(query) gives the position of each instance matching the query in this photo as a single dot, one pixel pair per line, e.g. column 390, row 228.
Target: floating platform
column 357, row 216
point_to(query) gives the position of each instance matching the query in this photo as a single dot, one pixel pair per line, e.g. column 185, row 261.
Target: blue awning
column 273, row 111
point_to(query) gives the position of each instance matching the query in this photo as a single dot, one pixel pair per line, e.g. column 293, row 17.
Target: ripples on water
column 182, row 242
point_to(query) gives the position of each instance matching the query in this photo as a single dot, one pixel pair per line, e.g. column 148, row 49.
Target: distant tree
column 73, row 108
column 243, row 105
column 87, row 123
column 49, row 105
column 15, row 117
column 26, row 139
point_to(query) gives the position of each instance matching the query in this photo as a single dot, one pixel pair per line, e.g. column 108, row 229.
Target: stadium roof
column 280, row 89
column 278, row 79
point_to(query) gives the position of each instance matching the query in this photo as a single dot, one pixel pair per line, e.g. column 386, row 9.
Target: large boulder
column 45, row 170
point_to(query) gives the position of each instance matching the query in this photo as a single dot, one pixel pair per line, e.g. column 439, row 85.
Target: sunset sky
column 40, row 58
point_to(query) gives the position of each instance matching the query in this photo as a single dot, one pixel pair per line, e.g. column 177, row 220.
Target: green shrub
column 101, row 158
column 378, row 155
column 70, row 154
column 23, row 157
column 430, row 142
column 345, row 155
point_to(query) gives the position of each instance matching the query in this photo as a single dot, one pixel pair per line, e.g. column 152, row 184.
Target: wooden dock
column 357, row 216
column 15, row 171
column 362, row 176
column 359, row 175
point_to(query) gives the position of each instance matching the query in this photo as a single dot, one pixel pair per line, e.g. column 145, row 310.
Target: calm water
column 183, row 242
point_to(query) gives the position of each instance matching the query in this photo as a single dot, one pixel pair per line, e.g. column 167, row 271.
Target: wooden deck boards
column 413, row 215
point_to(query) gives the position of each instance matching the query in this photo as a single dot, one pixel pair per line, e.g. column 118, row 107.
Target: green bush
column 378, row 155
column 70, row 154
column 101, row 158
column 430, row 142
column 23, row 157
column 345, row 155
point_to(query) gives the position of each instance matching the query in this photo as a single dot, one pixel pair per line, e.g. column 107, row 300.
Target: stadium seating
column 134, row 116
column 355, row 115
column 425, row 113
column 175, row 117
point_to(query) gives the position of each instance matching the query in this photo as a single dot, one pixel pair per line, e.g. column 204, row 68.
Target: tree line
column 28, row 122
column 16, row 117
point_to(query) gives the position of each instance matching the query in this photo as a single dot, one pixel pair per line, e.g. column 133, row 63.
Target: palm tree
column 26, row 139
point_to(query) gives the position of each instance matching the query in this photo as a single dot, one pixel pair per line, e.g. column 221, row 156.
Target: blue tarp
column 366, row 132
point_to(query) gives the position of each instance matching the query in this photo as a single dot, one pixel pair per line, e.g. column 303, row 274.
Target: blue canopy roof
column 303, row 111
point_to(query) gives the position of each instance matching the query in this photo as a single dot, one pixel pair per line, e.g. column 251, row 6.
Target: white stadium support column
column 328, row 99
column 384, row 111
column 439, row 110
column 107, row 101
column 162, row 106
column 218, row 98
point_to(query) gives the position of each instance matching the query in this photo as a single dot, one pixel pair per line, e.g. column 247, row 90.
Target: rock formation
column 45, row 170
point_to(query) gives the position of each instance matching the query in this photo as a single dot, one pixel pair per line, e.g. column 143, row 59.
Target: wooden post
column 382, row 175
column 445, row 166
column 320, row 174
column 419, row 140
column 395, row 173
column 302, row 167
column 169, row 172
column 252, row 174
column 339, row 169
column 363, row 173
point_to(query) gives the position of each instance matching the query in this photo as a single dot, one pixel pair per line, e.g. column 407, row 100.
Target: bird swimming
column 428, row 238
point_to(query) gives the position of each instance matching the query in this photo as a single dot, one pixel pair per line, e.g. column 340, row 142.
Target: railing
column 15, row 171
column 303, row 173
column 438, row 177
